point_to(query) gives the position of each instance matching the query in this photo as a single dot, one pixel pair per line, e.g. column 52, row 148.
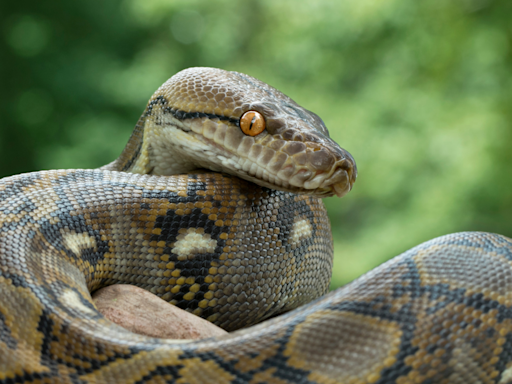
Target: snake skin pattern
column 235, row 253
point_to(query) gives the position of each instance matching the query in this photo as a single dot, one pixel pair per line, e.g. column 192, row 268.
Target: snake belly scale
column 220, row 214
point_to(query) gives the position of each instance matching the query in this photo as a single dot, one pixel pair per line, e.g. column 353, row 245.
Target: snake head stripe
column 193, row 121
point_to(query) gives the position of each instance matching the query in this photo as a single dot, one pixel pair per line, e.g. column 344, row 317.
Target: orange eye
column 252, row 123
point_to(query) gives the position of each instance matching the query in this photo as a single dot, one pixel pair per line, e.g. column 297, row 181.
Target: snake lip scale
column 214, row 205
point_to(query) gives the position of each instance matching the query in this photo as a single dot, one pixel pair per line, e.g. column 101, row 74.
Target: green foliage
column 418, row 91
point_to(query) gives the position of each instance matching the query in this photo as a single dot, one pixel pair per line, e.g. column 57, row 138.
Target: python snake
column 235, row 253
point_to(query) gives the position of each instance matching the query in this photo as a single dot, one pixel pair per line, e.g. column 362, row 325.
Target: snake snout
column 321, row 170
column 344, row 175
column 343, row 178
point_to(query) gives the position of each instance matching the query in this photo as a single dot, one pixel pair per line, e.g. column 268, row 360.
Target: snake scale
column 214, row 205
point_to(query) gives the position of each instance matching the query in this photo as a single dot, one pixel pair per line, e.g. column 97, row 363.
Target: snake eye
column 252, row 123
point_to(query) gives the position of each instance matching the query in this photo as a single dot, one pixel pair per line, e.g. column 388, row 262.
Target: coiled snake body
column 235, row 253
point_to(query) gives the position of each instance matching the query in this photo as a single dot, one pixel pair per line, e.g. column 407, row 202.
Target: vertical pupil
column 252, row 122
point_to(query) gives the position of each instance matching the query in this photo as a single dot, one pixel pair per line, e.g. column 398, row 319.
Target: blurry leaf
column 28, row 36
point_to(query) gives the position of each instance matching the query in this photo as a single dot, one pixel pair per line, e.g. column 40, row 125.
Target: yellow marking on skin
column 44, row 204
column 189, row 296
column 193, row 242
column 342, row 329
column 197, row 371
column 302, row 229
column 267, row 377
column 170, row 265
column 175, row 289
column 15, row 358
column 437, row 265
column 176, row 273
column 146, row 361
column 76, row 242
column 467, row 364
column 197, row 311
column 248, row 363
column 212, row 303
column 71, row 299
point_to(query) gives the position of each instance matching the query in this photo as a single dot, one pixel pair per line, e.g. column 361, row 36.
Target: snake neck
column 147, row 152
column 134, row 154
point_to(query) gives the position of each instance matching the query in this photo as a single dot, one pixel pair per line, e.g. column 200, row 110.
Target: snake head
column 194, row 121
column 307, row 160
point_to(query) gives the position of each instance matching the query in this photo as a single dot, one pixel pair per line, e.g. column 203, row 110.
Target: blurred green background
column 418, row 91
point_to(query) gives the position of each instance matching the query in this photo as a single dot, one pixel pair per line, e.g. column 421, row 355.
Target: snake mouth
column 337, row 181
column 345, row 180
